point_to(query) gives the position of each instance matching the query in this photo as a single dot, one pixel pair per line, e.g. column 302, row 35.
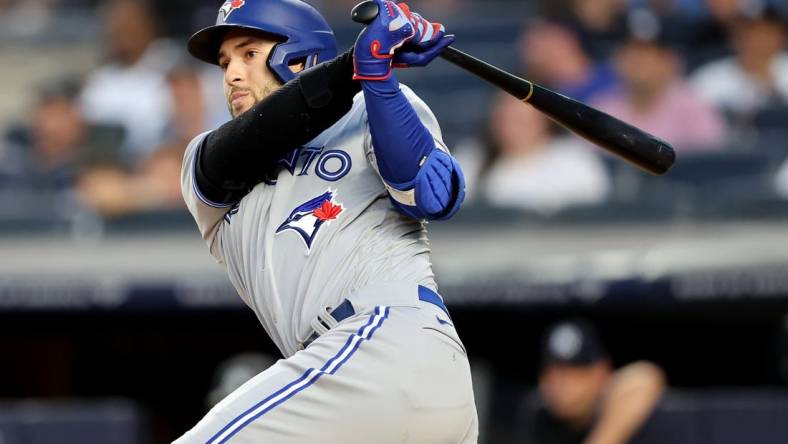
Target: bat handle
column 364, row 12
column 520, row 88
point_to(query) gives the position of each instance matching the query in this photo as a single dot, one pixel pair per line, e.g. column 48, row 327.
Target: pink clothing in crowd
column 680, row 117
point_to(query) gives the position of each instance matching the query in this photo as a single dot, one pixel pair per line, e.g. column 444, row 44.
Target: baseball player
column 314, row 198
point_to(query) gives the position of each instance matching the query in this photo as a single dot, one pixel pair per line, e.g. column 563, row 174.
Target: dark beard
column 267, row 90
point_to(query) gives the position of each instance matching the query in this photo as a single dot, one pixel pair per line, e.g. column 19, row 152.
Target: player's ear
column 297, row 65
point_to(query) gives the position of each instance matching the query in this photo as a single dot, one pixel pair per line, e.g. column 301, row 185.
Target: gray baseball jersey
column 317, row 231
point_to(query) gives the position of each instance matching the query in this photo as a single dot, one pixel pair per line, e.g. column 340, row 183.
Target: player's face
column 247, row 78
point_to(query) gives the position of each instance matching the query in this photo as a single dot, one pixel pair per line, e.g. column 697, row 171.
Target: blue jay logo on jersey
column 307, row 218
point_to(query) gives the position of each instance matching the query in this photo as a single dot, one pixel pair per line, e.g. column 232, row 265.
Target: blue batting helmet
column 305, row 34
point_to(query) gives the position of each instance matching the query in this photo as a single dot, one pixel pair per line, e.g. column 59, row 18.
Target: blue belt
column 345, row 310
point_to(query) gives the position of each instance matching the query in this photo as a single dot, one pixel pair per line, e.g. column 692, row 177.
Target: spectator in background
column 710, row 40
column 189, row 116
column 690, row 26
column 154, row 183
column 529, row 166
column 724, row 13
column 654, row 96
column 130, row 89
column 554, row 57
column 580, row 398
column 57, row 145
column 599, row 24
column 152, row 186
column 756, row 77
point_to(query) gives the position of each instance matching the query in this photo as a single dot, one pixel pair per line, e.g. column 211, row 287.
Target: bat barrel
column 622, row 139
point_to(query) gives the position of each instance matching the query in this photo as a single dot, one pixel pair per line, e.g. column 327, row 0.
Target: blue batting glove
column 428, row 42
column 426, row 31
column 378, row 41
column 412, row 55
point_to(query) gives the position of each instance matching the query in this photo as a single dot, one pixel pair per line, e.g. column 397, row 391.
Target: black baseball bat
column 620, row 138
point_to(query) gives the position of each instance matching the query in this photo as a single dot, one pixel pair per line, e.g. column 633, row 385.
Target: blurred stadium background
column 116, row 325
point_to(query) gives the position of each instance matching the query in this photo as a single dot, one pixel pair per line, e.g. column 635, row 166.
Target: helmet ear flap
column 282, row 60
column 278, row 63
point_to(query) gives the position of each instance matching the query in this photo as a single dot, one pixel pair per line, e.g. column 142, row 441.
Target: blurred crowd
column 708, row 76
column 114, row 139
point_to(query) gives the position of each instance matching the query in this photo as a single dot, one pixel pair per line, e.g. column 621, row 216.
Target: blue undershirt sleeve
column 399, row 138
column 422, row 178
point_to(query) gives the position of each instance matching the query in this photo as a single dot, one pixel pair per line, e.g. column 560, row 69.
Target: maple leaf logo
column 235, row 4
column 328, row 211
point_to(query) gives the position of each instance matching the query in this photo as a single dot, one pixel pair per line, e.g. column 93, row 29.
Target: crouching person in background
column 581, row 398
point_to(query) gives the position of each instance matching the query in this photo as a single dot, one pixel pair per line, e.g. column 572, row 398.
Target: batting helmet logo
column 228, row 7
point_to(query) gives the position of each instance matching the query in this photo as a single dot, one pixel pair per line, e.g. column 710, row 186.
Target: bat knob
column 364, row 12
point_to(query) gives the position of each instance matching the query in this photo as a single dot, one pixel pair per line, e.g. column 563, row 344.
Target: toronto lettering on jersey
column 329, row 165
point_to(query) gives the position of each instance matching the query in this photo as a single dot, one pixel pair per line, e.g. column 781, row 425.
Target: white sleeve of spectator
column 207, row 214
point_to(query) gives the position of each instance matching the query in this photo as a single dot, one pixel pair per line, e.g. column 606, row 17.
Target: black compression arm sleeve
column 235, row 157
